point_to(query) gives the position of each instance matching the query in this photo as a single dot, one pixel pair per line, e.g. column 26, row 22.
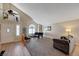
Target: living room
column 39, row 25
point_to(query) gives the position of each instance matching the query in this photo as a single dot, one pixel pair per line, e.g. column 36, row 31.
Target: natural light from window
column 31, row 29
column 17, row 30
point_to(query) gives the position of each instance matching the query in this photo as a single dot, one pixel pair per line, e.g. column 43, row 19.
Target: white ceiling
column 50, row 13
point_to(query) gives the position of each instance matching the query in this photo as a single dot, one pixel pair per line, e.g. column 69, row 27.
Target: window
column 31, row 29
column 17, row 30
column 8, row 30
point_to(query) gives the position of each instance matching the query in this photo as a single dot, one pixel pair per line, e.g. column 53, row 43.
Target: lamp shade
column 68, row 30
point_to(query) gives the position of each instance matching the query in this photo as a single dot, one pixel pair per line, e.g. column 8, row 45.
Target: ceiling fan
column 13, row 13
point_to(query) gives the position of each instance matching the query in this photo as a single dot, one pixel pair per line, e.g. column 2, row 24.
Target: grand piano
column 38, row 35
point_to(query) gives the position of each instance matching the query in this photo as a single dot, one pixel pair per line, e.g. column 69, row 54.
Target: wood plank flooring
column 76, row 50
column 15, row 49
column 35, row 47
column 42, row 47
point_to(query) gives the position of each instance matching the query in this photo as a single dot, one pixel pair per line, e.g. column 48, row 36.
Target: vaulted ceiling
column 50, row 13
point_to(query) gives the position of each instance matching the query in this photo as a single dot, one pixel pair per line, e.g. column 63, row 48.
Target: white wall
column 8, row 36
column 59, row 29
column 25, row 21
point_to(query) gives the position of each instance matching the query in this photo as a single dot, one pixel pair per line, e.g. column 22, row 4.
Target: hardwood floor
column 35, row 47
column 42, row 47
column 76, row 50
column 15, row 49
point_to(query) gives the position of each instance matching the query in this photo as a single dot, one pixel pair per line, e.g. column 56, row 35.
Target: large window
column 31, row 29
column 17, row 30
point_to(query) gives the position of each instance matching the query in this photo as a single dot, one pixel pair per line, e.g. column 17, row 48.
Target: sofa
column 63, row 45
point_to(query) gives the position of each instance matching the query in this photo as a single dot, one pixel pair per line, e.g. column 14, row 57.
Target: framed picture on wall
column 47, row 28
